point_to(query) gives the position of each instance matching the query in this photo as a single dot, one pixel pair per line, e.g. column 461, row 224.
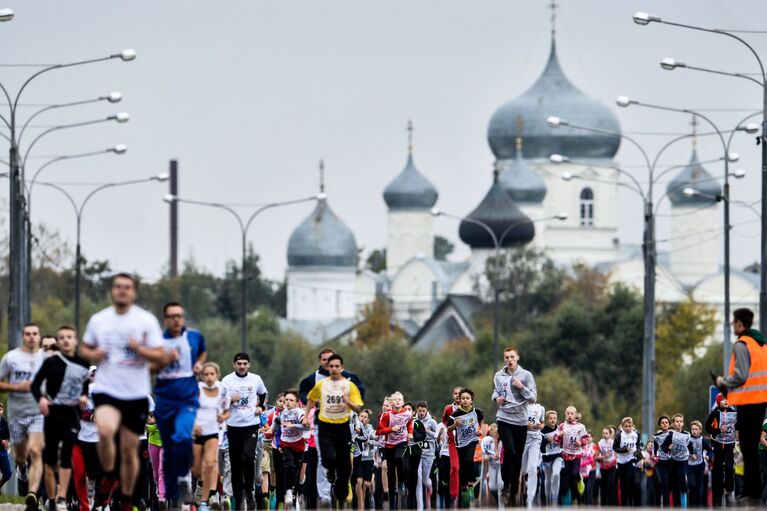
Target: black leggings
column 628, row 475
column 242, row 460
column 571, row 473
column 467, row 472
column 291, row 461
column 513, row 439
column 412, row 463
column 335, row 442
column 677, row 480
column 444, row 479
column 608, row 493
column 395, row 471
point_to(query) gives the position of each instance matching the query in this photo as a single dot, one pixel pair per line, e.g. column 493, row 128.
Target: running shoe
column 61, row 505
column 288, row 497
column 30, row 502
column 213, row 503
column 185, row 489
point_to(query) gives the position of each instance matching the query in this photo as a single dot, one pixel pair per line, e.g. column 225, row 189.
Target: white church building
column 433, row 300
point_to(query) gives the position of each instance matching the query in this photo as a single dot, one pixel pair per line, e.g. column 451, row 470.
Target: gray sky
column 249, row 95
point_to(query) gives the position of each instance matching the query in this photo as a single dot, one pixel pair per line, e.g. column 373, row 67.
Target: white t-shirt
column 248, row 388
column 18, row 366
column 211, row 408
column 122, row 374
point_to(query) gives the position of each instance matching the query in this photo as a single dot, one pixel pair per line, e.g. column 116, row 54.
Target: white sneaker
column 198, row 492
column 61, row 505
column 288, row 497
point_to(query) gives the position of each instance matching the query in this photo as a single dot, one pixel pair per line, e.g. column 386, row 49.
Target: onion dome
column 410, row 189
column 520, row 181
column 696, row 177
column 322, row 239
column 510, row 226
column 553, row 95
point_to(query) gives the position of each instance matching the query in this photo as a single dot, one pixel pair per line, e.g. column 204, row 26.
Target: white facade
column 695, row 249
column 410, row 234
column 321, row 293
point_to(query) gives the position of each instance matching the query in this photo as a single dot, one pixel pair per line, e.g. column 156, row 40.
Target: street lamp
column 6, row 15
column 728, row 157
column 643, row 18
column 79, row 208
column 497, row 243
column 244, row 224
column 19, row 273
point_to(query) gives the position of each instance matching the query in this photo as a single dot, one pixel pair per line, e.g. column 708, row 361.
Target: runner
column 5, row 442
column 176, row 396
column 215, row 408
column 513, row 389
column 323, row 487
column 677, row 444
column 664, row 459
column 412, row 459
column 453, row 476
column 85, row 461
column 120, row 340
column 25, row 421
column 396, row 425
column 696, row 466
column 48, row 344
column 292, row 445
column 628, row 450
column 248, row 398
column 572, row 436
column 363, row 465
column 428, row 453
column 552, row 458
column 444, row 467
column 721, row 426
column 531, row 458
column 608, row 463
column 337, row 397
column 466, row 421
column 491, row 452
column 64, row 375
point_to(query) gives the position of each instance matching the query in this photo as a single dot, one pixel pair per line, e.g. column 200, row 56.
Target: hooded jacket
column 514, row 410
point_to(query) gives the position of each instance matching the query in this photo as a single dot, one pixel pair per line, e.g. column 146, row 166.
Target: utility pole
column 174, row 220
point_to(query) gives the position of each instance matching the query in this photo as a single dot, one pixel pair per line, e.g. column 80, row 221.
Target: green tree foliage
column 376, row 260
column 442, row 248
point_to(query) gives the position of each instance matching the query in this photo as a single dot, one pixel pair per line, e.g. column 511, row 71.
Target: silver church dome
column 322, row 239
column 696, row 177
column 521, row 182
column 410, row 189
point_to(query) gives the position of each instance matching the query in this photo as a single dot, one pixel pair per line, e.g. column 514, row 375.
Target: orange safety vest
column 483, row 431
column 754, row 390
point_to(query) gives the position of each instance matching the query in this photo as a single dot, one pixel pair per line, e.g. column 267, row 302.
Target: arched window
column 587, row 207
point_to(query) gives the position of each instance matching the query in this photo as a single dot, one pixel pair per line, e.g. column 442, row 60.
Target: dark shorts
column 362, row 469
column 134, row 411
column 60, row 429
column 200, row 440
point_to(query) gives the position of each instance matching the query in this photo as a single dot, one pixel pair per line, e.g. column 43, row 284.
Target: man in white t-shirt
column 121, row 339
column 248, row 398
column 25, row 421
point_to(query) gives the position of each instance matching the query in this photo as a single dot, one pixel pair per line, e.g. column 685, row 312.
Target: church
column 569, row 209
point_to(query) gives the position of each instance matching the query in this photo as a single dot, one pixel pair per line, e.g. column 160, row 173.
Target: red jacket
column 385, row 429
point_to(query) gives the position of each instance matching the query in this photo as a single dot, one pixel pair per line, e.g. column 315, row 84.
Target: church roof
column 322, row 239
column 521, row 182
column 696, row 177
column 410, row 189
column 553, row 95
column 510, row 226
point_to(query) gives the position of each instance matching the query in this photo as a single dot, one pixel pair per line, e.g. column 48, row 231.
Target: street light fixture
column 6, row 15
column 643, row 18
column 244, row 224
column 126, row 55
column 670, row 64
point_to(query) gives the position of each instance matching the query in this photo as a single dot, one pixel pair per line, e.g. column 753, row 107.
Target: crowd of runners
column 87, row 430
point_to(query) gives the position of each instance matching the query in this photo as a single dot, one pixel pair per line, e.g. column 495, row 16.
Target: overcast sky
column 249, row 95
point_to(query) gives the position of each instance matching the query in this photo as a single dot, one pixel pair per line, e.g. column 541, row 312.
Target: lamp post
column 78, row 209
column 18, row 299
column 244, row 224
column 497, row 243
column 624, row 101
column 6, row 15
column 643, row 18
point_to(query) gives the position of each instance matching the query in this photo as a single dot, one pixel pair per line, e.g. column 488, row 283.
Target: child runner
column 412, row 458
column 531, row 458
column 292, row 443
column 588, row 470
column 552, row 458
column 215, row 408
column 466, row 421
column 696, row 465
column 608, row 463
column 363, row 465
column 428, row 453
column 572, row 436
column 628, row 450
column 677, row 444
column 664, row 459
column 396, row 425
column 491, row 452
column 443, row 467
column 446, row 413
column 155, row 455
column 721, row 426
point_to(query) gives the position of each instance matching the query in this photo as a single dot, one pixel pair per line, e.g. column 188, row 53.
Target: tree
column 376, row 261
column 558, row 388
column 442, row 248
column 376, row 324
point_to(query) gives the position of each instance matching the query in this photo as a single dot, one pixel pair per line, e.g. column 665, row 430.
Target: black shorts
column 362, row 469
column 200, row 440
column 60, row 429
column 134, row 411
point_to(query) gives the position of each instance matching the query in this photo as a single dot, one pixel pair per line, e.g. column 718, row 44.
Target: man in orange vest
column 746, row 387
